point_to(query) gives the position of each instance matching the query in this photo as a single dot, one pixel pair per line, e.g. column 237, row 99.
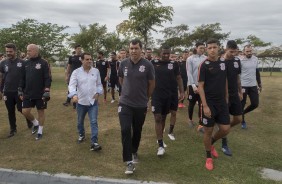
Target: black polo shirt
column 233, row 70
column 183, row 70
column 114, row 68
column 166, row 83
column 213, row 74
column 12, row 71
column 102, row 66
column 135, row 82
column 75, row 62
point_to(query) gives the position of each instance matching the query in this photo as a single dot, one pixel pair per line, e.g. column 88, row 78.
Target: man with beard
column 10, row 73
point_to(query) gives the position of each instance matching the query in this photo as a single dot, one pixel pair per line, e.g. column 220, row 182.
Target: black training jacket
column 35, row 78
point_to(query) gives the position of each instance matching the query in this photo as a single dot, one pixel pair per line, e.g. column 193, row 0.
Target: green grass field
column 58, row 152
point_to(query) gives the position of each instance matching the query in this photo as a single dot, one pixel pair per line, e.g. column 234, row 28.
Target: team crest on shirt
column 207, row 62
column 153, row 109
column 243, row 90
column 190, row 97
column 205, row 121
column 170, row 66
column 19, row 65
column 103, row 63
column 79, row 58
column 142, row 68
column 236, row 65
column 222, row 66
column 119, row 109
column 38, row 66
column 6, row 68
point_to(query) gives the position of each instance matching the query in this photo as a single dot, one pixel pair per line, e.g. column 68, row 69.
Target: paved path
column 9, row 176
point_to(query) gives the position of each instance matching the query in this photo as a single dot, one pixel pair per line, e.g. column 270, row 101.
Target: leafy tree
column 257, row 42
column 49, row 37
column 144, row 15
column 177, row 36
column 205, row 31
column 271, row 56
column 90, row 38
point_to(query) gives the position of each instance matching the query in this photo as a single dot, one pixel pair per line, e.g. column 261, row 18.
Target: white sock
column 129, row 162
column 40, row 129
column 35, row 122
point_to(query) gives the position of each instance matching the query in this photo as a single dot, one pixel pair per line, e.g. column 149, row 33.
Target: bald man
column 34, row 88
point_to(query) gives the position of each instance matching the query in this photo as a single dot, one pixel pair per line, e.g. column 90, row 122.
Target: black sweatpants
column 193, row 98
column 11, row 100
column 131, row 117
column 252, row 92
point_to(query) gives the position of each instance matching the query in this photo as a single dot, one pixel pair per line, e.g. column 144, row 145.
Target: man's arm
column 201, row 90
column 1, row 85
column 151, row 87
column 180, row 86
column 73, row 85
column 67, row 74
column 258, row 79
column 239, row 87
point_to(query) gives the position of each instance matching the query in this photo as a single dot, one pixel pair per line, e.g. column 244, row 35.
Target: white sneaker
column 171, row 136
column 113, row 101
column 161, row 151
column 163, row 144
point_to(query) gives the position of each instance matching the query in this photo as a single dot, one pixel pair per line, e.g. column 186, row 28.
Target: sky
column 241, row 17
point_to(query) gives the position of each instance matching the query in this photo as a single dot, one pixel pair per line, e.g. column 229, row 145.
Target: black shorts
column 235, row 106
column 193, row 97
column 220, row 115
column 114, row 81
column 104, row 83
column 164, row 105
column 38, row 103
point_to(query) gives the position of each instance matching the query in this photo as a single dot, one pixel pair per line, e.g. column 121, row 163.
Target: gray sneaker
column 135, row 158
column 129, row 168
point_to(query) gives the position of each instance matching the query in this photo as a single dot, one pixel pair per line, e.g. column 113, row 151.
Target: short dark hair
column 11, row 46
column 77, row 45
column 247, row 46
column 101, row 53
column 212, row 40
column 84, row 54
column 165, row 47
column 113, row 53
column 199, row 43
column 136, row 41
column 148, row 49
column 122, row 50
column 231, row 44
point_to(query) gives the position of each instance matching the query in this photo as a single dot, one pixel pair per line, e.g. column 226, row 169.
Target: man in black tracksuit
column 10, row 73
column 34, row 88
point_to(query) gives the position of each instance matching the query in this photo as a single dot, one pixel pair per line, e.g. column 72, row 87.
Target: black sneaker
column 129, row 168
column 39, row 136
column 66, row 104
column 34, row 129
column 81, row 138
column 95, row 147
column 12, row 133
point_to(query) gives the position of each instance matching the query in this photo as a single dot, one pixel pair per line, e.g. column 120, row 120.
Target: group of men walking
column 213, row 82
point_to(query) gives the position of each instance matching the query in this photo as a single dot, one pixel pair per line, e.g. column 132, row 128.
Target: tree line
column 145, row 16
